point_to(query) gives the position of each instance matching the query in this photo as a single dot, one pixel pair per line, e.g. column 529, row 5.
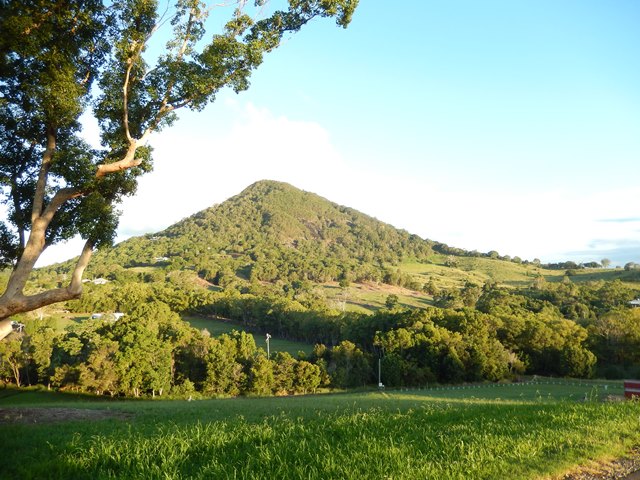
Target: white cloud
column 197, row 168
column 201, row 162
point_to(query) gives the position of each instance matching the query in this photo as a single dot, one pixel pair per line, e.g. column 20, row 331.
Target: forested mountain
column 278, row 260
column 273, row 231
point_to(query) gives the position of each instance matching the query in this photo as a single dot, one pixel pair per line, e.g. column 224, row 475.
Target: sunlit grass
column 370, row 297
column 218, row 327
column 515, row 431
column 479, row 270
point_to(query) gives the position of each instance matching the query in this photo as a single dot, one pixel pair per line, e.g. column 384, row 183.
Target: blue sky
column 495, row 125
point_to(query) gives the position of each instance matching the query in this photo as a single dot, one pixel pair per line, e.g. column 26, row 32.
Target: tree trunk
column 5, row 327
column 15, row 368
column 14, row 301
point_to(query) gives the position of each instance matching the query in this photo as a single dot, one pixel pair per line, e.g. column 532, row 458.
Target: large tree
column 60, row 60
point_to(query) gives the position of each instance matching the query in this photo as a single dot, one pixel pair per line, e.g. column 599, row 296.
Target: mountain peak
column 274, row 231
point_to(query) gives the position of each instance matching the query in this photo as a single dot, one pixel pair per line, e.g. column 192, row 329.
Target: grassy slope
column 479, row 270
column 218, row 327
column 523, row 431
column 370, row 297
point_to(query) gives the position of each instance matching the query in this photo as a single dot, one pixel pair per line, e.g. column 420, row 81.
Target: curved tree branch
column 11, row 305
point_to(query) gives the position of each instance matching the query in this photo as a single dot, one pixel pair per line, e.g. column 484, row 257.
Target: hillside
column 275, row 239
column 288, row 263
column 275, row 234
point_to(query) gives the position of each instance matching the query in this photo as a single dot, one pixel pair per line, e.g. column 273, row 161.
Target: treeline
column 152, row 352
column 478, row 333
column 455, row 345
column 529, row 322
column 550, row 329
column 568, row 266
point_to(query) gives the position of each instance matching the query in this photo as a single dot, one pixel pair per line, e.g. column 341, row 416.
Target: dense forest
column 261, row 259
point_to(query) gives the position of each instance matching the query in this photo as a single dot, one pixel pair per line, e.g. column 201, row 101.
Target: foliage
column 52, row 53
column 516, row 431
column 481, row 330
column 273, row 232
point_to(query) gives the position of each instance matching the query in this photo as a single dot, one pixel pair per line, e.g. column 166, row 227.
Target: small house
column 17, row 326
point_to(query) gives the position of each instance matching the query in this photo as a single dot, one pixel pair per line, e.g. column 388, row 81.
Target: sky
column 497, row 125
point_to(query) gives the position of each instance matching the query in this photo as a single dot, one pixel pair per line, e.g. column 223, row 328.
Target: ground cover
column 218, row 327
column 477, row 270
column 490, row 431
column 370, row 297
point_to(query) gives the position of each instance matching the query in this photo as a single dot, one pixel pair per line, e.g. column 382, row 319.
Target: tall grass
column 351, row 436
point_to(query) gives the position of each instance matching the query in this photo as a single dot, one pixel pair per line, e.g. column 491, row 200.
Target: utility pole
column 268, row 352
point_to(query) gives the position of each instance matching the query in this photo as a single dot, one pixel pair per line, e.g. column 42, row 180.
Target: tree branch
column 41, row 185
column 75, row 286
column 125, row 100
column 5, row 328
column 127, row 162
column 19, row 303
column 34, row 248
column 63, row 195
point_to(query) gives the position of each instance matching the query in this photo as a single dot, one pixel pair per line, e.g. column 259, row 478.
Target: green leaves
column 50, row 54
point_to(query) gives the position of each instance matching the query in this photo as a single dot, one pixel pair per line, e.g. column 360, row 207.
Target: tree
column 308, row 376
column 261, row 380
column 349, row 366
column 12, row 359
column 51, row 55
column 605, row 262
column 99, row 373
column 40, row 348
column 391, row 301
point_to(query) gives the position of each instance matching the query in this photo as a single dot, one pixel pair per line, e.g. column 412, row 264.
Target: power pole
column 268, row 352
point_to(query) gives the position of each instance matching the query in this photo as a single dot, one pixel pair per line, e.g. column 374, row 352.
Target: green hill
column 273, row 234
column 281, row 261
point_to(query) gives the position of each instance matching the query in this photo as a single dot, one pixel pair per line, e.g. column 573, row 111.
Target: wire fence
column 615, row 386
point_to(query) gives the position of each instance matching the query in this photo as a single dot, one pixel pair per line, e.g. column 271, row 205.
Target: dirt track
column 626, row 468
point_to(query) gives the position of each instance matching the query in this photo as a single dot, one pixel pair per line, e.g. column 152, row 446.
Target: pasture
column 218, row 327
column 488, row 431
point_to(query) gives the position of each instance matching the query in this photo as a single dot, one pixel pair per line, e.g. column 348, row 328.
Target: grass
column 520, row 431
column 58, row 321
column 478, row 270
column 218, row 327
column 367, row 298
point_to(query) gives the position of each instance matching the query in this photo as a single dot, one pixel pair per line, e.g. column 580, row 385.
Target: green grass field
column 367, row 298
column 218, row 327
column 490, row 431
column 479, row 270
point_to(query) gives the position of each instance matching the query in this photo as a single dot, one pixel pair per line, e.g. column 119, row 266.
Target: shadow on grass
column 39, row 395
